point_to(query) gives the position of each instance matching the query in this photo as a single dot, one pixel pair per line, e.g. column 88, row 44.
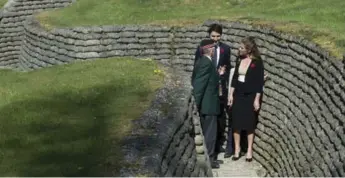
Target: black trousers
column 230, row 141
column 209, row 129
column 221, row 125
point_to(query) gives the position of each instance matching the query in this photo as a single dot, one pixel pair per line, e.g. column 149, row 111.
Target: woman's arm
column 260, row 78
column 231, row 74
column 231, row 93
column 232, row 83
column 257, row 96
column 234, row 77
column 259, row 84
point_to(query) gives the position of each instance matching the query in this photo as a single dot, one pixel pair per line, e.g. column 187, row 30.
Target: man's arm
column 225, row 77
column 228, row 64
column 200, row 81
column 197, row 55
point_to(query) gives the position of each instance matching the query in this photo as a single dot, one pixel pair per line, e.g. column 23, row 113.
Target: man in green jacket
column 205, row 82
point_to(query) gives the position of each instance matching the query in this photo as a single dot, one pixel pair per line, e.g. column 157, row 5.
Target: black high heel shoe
column 249, row 159
column 235, row 158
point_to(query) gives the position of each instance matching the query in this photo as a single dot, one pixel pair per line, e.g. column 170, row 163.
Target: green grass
column 2, row 3
column 319, row 20
column 70, row 120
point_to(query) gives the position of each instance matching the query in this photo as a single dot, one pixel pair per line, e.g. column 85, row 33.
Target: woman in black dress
column 244, row 97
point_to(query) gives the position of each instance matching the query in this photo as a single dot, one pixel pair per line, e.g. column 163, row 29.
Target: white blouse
column 242, row 72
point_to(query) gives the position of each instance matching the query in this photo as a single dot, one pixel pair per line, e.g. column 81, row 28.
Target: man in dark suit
column 205, row 82
column 221, row 59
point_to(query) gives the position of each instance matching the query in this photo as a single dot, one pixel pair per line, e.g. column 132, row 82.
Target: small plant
column 157, row 71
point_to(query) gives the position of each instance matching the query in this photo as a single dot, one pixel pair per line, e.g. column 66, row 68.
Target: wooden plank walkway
column 239, row 168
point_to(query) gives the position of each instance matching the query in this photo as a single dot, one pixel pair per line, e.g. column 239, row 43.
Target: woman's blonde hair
column 251, row 47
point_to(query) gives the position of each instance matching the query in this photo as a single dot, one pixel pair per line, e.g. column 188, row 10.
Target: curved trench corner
column 301, row 123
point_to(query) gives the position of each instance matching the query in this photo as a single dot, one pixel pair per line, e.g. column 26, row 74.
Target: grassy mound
column 69, row 120
column 2, row 3
column 319, row 20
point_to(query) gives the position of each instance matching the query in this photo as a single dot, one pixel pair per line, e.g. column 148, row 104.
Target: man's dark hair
column 215, row 27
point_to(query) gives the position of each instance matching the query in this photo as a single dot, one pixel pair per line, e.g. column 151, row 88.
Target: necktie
column 215, row 56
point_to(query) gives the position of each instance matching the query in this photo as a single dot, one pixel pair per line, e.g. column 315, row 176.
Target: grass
column 2, row 3
column 319, row 20
column 70, row 120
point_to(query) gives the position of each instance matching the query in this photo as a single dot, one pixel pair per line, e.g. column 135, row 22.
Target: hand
column 265, row 77
column 256, row 105
column 230, row 100
column 221, row 70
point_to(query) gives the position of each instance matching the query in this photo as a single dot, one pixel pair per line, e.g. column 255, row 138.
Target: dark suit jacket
column 254, row 79
column 224, row 59
column 205, row 81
